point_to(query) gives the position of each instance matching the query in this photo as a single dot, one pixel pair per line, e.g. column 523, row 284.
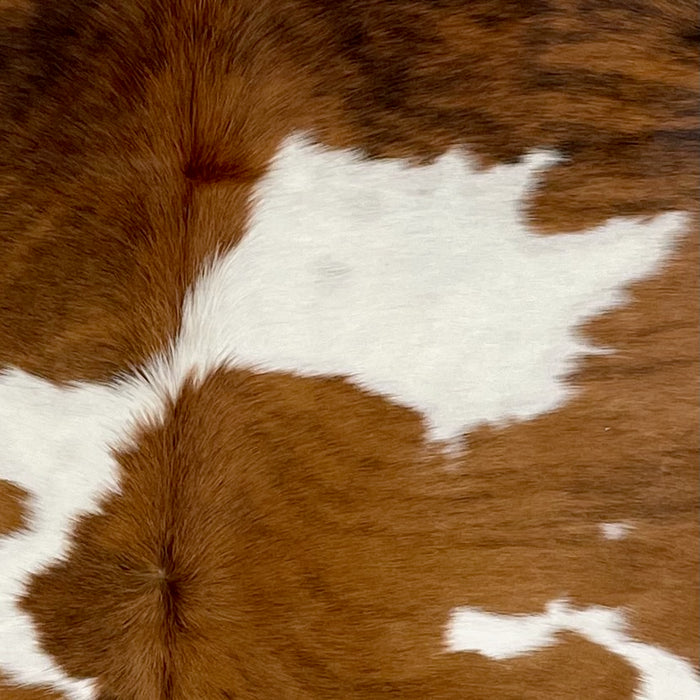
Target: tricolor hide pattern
column 349, row 349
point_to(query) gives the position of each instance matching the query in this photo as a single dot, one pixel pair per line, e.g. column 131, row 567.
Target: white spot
column 663, row 676
column 423, row 284
column 499, row 636
column 615, row 531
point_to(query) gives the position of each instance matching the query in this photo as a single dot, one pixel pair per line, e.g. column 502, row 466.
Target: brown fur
column 12, row 509
column 282, row 537
column 9, row 691
column 110, row 201
column 285, row 537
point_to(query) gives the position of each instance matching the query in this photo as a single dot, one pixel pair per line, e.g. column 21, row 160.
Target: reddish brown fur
column 281, row 537
column 110, row 201
column 10, row 691
column 12, row 509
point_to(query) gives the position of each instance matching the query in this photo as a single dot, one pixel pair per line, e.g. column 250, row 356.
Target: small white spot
column 499, row 636
column 615, row 531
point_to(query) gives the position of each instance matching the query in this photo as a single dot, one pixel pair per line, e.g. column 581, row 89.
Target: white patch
column 499, row 636
column 419, row 283
column 663, row 676
column 423, row 284
column 615, row 531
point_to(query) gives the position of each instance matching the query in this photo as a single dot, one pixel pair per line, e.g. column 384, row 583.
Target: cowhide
column 349, row 349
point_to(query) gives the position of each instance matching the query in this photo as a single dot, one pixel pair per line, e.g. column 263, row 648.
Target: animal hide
column 349, row 349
